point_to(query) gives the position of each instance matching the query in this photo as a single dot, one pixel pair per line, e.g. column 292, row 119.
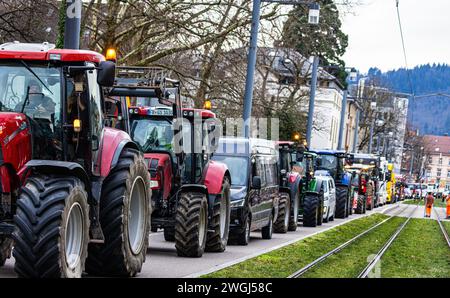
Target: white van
column 329, row 194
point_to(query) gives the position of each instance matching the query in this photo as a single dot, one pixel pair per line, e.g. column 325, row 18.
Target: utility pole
column 371, row 135
column 312, row 97
column 251, row 59
column 412, row 162
column 355, row 137
column 341, row 125
column 73, row 25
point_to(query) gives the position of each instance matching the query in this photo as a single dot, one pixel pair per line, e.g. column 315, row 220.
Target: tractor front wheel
column 311, row 210
column 281, row 225
column 293, row 219
column 360, row 207
column 52, row 220
column 191, row 225
column 341, row 202
column 124, row 218
column 220, row 221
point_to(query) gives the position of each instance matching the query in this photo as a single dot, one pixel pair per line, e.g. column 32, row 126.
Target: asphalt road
column 162, row 260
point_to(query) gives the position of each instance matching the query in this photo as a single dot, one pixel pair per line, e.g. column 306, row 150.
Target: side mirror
column 256, row 182
column 106, row 74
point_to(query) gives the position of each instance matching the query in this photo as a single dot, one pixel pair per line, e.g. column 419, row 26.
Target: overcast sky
column 374, row 36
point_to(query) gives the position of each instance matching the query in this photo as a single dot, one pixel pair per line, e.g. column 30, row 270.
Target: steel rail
column 340, row 247
column 376, row 259
column 443, row 230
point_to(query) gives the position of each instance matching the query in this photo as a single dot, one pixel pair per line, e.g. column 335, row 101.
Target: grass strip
column 437, row 203
column 282, row 262
column 419, row 251
column 349, row 262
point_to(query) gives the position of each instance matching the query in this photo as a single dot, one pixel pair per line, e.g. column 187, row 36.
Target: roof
column 46, row 52
column 437, row 144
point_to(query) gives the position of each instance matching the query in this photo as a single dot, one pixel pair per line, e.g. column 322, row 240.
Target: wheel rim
column 136, row 216
column 223, row 217
column 74, row 235
column 202, row 225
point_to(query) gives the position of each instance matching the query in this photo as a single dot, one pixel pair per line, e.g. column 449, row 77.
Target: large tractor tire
column 217, row 239
column 281, row 225
column 360, row 207
column 191, row 225
column 124, row 218
column 311, row 210
column 6, row 245
column 341, row 202
column 169, row 234
column 293, row 219
column 52, row 235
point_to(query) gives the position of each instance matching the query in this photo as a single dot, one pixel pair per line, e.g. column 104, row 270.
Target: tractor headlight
column 237, row 203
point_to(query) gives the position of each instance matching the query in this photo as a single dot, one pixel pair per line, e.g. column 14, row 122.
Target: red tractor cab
column 66, row 179
column 289, row 184
column 191, row 199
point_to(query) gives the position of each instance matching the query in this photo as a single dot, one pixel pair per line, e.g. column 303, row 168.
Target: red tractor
column 191, row 193
column 75, row 195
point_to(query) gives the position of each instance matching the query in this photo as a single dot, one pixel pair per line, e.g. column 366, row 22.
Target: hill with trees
column 431, row 115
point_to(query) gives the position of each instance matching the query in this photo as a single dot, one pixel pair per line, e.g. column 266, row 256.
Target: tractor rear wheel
column 360, row 205
column 341, row 202
column 191, row 225
column 52, row 220
column 220, row 221
column 6, row 245
column 282, row 223
column 124, row 218
column 169, row 234
column 293, row 219
column 310, row 210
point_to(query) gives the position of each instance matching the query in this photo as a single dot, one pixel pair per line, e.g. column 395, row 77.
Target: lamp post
column 73, row 25
column 351, row 77
column 313, row 18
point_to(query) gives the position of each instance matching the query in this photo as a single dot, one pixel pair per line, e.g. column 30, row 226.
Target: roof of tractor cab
column 46, row 52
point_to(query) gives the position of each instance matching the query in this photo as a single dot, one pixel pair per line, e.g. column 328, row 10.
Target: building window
column 448, row 173
column 430, row 160
column 439, row 172
column 440, row 160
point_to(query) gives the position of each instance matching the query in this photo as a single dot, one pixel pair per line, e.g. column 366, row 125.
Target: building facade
column 438, row 160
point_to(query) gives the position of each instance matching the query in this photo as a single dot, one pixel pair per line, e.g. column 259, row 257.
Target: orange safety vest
column 448, row 206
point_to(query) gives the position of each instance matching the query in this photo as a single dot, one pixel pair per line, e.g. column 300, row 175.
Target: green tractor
column 311, row 192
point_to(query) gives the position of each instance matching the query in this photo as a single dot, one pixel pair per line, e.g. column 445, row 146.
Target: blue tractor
column 334, row 162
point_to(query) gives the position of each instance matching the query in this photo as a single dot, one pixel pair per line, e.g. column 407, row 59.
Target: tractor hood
column 10, row 125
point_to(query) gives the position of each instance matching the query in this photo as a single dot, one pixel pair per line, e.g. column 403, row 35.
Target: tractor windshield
column 34, row 90
column 152, row 134
column 332, row 164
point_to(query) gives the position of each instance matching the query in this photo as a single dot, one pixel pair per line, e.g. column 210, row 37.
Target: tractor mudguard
column 61, row 167
column 215, row 173
column 113, row 143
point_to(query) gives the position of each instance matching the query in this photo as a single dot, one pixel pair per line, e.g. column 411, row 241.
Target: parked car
column 255, row 196
column 329, row 193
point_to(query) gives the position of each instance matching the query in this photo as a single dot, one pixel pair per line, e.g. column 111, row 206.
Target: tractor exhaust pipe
column 73, row 25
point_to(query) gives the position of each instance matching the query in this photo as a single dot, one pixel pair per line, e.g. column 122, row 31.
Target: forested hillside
column 431, row 114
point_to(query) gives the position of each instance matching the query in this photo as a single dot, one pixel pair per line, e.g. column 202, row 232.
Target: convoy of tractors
column 94, row 158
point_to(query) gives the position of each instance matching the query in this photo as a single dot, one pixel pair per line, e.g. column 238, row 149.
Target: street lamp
column 251, row 63
column 352, row 77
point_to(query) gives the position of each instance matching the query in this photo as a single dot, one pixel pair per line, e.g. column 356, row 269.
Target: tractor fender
column 10, row 180
column 113, row 143
column 215, row 173
column 62, row 168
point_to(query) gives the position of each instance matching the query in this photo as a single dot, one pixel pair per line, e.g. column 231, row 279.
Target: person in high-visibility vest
column 448, row 207
column 429, row 201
